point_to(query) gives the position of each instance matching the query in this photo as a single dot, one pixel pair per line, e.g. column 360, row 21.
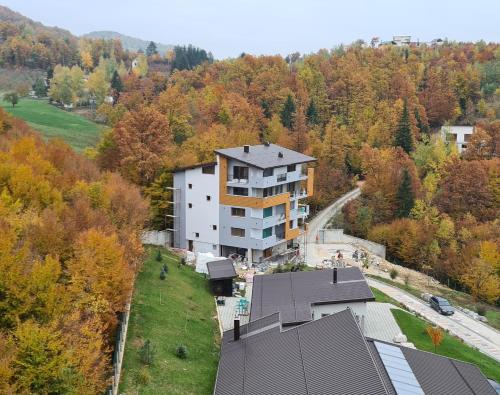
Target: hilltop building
column 247, row 202
column 460, row 135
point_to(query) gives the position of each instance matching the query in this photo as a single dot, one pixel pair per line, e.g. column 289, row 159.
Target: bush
column 481, row 310
column 159, row 257
column 393, row 273
column 147, row 353
column 163, row 275
column 143, row 376
column 181, row 352
column 165, row 268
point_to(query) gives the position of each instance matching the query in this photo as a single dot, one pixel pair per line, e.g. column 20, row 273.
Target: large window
column 238, row 232
column 240, row 172
column 240, row 191
column 237, row 212
column 208, row 169
column 268, row 232
column 268, row 212
column 268, row 172
column 268, row 192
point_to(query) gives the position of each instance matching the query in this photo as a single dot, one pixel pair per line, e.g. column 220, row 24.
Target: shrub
column 181, row 352
column 481, row 310
column 393, row 273
column 165, row 268
column 407, row 279
column 163, row 275
column 143, row 376
column 159, row 257
column 146, row 353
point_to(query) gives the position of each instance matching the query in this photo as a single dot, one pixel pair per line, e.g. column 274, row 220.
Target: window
column 278, row 189
column 208, row 198
column 291, row 168
column 291, row 224
column 268, row 211
column 190, row 186
column 190, row 205
column 237, row 212
column 268, row 172
column 268, row 191
column 268, row 232
column 240, row 191
column 208, row 169
column 290, row 187
column 281, row 177
column 238, row 232
column 214, row 227
column 240, row 172
column 197, row 234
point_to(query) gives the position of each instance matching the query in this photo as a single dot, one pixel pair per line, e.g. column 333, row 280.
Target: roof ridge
column 302, row 360
column 461, row 376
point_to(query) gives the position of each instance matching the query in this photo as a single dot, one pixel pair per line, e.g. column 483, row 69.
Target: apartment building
column 247, row 202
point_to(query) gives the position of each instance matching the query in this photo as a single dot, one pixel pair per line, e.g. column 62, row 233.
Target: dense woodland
column 69, row 251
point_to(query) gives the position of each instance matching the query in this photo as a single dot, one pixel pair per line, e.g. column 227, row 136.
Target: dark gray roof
column 292, row 294
column 439, row 375
column 218, row 270
column 265, row 156
column 329, row 356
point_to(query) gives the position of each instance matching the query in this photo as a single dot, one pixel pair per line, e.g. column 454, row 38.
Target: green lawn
column 52, row 122
column 415, row 330
column 383, row 298
column 185, row 315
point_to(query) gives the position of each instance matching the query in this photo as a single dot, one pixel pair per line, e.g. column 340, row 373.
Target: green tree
column 312, row 114
column 40, row 87
column 404, row 138
column 405, row 195
column 288, row 112
column 423, row 127
column 151, row 49
column 116, row 82
column 11, row 97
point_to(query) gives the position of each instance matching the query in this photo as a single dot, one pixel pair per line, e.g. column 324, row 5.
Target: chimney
column 246, row 149
column 334, row 275
column 280, row 154
column 236, row 329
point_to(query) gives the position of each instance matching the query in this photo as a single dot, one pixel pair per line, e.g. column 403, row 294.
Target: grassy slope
column 383, row 298
column 53, row 122
column 455, row 297
column 415, row 330
column 185, row 316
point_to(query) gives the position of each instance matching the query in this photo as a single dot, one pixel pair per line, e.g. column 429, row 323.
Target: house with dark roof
column 331, row 356
column 221, row 274
column 248, row 202
column 301, row 297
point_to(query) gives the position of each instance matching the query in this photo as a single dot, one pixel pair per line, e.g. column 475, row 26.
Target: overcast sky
column 229, row 27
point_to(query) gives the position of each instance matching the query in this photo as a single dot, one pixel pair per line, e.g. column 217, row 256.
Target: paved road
column 472, row 332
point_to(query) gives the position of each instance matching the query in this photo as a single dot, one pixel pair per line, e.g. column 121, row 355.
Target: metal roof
column 292, row 294
column 330, row 356
column 265, row 156
column 222, row 269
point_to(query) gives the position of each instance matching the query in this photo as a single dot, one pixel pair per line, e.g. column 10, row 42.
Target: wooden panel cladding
column 292, row 233
column 310, row 181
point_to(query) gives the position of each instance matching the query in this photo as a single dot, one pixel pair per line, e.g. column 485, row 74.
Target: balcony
column 300, row 194
column 303, row 210
column 231, row 179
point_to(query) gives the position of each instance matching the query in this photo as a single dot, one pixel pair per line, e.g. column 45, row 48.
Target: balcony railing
column 281, row 177
column 232, row 178
column 298, row 194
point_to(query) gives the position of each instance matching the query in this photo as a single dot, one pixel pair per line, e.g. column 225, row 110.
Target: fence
column 331, row 236
column 121, row 337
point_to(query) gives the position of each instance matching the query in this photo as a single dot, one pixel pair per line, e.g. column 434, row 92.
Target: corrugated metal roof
column 292, row 294
column 264, row 157
column 218, row 270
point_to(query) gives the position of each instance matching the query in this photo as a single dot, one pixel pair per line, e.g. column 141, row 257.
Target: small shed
column 221, row 274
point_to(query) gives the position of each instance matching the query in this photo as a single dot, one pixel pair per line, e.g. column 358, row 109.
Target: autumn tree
column 436, row 334
column 142, row 139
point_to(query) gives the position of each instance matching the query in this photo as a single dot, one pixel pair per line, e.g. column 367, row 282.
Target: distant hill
column 130, row 43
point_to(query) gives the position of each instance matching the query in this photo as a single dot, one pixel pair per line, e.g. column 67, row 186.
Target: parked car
column 441, row 305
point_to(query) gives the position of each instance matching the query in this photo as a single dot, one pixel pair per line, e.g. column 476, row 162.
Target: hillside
column 128, row 42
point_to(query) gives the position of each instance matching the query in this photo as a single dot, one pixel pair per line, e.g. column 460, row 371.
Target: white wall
column 203, row 214
column 358, row 308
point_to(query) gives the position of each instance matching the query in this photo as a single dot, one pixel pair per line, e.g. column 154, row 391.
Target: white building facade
column 459, row 135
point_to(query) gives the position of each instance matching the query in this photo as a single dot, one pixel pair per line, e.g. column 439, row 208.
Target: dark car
column 441, row 305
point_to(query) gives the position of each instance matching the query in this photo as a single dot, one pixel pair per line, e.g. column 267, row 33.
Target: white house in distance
column 460, row 135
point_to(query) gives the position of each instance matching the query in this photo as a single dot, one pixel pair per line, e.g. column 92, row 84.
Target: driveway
column 483, row 337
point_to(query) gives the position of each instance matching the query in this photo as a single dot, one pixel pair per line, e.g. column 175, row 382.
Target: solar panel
column 402, row 377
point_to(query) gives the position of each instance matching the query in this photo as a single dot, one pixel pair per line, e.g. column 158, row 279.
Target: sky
column 229, row 27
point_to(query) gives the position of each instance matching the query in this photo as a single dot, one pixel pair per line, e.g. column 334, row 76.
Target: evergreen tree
column 312, row 114
column 288, row 112
column 424, row 129
column 40, row 88
column 266, row 108
column 151, row 49
column 404, row 139
column 405, row 196
column 116, row 82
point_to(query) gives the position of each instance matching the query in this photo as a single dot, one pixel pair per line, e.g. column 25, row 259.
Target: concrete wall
column 156, row 238
column 332, row 236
